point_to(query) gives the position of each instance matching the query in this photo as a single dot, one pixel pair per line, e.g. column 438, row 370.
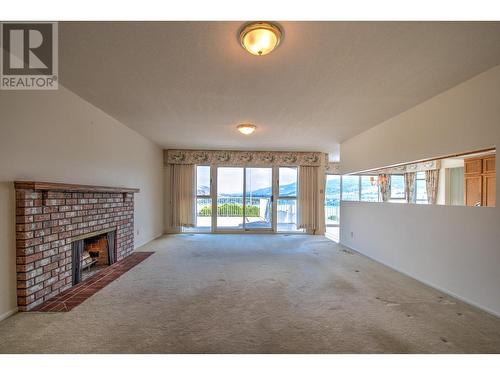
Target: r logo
column 29, row 49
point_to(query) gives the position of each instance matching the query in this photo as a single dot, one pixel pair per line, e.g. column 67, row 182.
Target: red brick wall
column 46, row 222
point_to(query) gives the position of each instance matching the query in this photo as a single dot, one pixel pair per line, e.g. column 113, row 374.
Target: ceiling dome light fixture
column 246, row 128
column 260, row 38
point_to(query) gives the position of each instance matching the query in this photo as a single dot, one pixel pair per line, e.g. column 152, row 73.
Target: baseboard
column 5, row 315
column 331, row 238
column 154, row 237
column 442, row 290
column 172, row 231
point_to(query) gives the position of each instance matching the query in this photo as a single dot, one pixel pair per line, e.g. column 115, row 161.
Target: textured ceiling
column 187, row 84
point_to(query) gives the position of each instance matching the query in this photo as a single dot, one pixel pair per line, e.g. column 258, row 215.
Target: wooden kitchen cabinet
column 480, row 181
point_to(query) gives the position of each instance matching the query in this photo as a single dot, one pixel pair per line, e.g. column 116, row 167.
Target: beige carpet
column 257, row 294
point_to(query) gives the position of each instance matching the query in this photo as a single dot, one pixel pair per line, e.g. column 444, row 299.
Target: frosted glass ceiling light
column 260, row 38
column 246, row 128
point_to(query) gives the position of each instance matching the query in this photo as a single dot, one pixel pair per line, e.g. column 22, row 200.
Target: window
column 369, row 189
column 397, row 187
column 332, row 199
column 350, row 188
column 287, row 200
column 421, row 188
column 203, row 199
column 360, row 188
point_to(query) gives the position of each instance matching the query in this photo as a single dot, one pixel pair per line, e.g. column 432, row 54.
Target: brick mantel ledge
column 55, row 186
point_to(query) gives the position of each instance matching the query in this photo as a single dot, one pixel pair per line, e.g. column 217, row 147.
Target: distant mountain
column 264, row 192
column 332, row 189
column 291, row 190
column 285, row 190
column 203, row 190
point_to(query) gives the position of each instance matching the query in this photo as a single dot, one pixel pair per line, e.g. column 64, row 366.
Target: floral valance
column 415, row 167
column 244, row 158
column 332, row 167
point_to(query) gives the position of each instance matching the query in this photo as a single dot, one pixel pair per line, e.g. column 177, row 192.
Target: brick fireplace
column 57, row 225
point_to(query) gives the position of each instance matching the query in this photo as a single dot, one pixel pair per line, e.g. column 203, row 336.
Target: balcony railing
column 259, row 207
column 255, row 207
column 332, row 215
column 233, row 207
column 258, row 213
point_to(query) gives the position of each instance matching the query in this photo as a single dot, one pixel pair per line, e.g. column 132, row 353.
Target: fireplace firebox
column 92, row 254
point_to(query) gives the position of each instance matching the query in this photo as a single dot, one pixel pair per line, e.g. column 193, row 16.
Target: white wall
column 56, row 136
column 455, row 249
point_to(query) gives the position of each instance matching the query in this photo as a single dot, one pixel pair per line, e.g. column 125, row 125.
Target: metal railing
column 332, row 214
column 259, row 207
column 287, row 211
column 255, row 207
column 233, row 207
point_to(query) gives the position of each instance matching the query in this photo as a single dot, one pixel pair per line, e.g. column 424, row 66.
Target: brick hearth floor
column 74, row 296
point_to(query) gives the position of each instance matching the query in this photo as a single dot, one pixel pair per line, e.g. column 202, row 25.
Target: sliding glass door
column 230, row 190
column 254, row 212
column 287, row 200
column 258, row 198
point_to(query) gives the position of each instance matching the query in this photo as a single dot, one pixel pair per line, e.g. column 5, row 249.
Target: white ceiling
column 187, row 84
